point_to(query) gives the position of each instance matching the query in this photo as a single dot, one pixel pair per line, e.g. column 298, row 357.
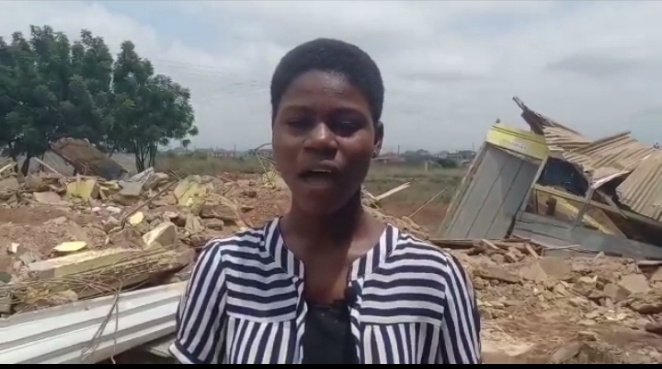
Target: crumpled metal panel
column 537, row 121
column 621, row 152
column 608, row 158
column 90, row 331
column 562, row 139
column 87, row 159
column 642, row 189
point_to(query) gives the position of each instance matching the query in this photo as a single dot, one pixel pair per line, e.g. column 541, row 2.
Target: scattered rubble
column 65, row 239
column 549, row 301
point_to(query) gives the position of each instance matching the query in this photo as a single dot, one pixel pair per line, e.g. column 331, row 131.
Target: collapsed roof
column 616, row 157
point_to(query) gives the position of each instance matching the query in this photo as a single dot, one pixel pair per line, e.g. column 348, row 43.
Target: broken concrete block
column 189, row 191
column 585, row 285
column 587, row 335
column 218, row 211
column 657, row 275
column 28, row 257
column 634, row 283
column 503, row 353
column 9, row 184
column 48, row 197
column 555, row 267
column 566, row 352
column 164, row 235
column 69, row 247
column 13, row 248
column 80, row 262
column 496, row 273
column 85, row 189
column 616, row 292
column 136, row 218
column 648, row 304
column 131, row 189
column 155, row 180
column 534, row 272
column 215, row 224
column 193, row 224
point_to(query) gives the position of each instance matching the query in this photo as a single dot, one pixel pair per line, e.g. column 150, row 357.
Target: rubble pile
column 559, row 305
column 68, row 238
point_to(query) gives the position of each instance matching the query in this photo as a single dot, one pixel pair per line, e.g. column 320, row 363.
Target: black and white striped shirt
column 244, row 304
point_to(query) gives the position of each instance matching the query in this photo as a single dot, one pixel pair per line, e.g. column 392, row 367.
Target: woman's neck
column 337, row 228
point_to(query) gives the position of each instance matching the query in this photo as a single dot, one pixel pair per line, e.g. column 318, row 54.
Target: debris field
column 70, row 238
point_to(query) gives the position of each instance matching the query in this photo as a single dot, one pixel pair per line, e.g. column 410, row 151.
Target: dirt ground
column 533, row 309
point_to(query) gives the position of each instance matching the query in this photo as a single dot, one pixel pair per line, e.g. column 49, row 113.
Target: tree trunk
column 152, row 155
column 26, row 164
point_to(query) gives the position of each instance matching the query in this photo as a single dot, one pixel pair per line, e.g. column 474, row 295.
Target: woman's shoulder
column 244, row 241
column 416, row 249
column 408, row 243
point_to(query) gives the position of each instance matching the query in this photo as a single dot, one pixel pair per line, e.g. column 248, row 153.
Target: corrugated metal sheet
column 87, row 159
column 90, row 331
column 494, row 195
column 561, row 139
column 621, row 152
column 607, row 158
column 557, row 233
column 642, row 189
column 537, row 121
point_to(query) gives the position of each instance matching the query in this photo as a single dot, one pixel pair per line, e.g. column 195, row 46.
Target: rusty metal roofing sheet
column 87, row 159
column 620, row 152
column 642, row 189
column 562, row 139
column 538, row 121
column 608, row 158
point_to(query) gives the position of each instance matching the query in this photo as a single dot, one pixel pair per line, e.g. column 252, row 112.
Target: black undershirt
column 327, row 338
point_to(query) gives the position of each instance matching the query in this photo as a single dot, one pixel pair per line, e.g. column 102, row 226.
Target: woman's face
column 324, row 139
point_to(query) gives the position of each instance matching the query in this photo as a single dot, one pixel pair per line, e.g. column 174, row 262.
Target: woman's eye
column 346, row 126
column 299, row 122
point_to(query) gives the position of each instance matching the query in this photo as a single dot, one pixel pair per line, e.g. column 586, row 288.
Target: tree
column 50, row 88
column 30, row 85
column 90, row 91
column 149, row 110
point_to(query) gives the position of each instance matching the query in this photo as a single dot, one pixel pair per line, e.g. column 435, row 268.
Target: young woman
column 327, row 283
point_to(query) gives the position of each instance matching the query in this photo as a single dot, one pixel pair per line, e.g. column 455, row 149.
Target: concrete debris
column 552, row 307
column 75, row 238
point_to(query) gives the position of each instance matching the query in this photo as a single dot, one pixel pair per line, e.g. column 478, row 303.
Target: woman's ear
column 379, row 139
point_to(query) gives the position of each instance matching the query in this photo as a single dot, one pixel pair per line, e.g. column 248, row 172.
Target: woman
column 326, row 283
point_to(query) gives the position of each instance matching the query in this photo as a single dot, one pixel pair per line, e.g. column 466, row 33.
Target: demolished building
column 92, row 268
column 557, row 187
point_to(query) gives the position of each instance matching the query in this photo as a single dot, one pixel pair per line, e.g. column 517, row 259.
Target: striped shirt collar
column 287, row 261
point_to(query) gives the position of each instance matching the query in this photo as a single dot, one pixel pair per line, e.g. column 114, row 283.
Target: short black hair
column 333, row 56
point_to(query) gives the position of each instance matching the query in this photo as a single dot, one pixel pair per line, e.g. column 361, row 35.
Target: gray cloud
column 598, row 66
column 450, row 68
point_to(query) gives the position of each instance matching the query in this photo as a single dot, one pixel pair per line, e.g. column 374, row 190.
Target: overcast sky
column 450, row 68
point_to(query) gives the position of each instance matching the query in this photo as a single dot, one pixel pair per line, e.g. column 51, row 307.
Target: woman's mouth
column 319, row 178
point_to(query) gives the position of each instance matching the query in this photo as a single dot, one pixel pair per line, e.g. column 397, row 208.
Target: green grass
column 424, row 184
column 190, row 164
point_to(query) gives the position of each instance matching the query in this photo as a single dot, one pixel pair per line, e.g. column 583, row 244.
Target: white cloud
column 450, row 68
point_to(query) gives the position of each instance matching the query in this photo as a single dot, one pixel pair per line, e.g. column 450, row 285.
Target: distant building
column 441, row 154
column 390, row 157
column 266, row 153
column 222, row 153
